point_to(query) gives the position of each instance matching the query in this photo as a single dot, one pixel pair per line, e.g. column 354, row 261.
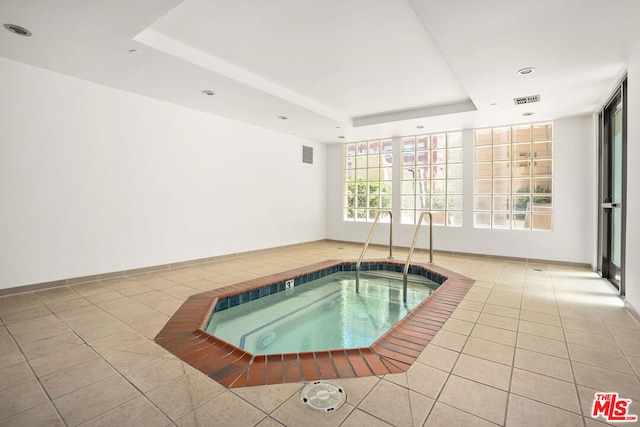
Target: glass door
column 612, row 180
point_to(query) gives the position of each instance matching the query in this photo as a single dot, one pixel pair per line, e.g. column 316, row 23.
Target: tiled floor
column 529, row 345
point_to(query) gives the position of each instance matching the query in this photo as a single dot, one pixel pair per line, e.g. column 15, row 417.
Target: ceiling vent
column 307, row 154
column 526, row 99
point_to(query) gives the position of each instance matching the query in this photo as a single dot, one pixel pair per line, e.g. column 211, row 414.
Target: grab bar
column 413, row 246
column 366, row 244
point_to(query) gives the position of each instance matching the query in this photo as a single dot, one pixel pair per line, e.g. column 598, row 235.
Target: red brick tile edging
column 393, row 352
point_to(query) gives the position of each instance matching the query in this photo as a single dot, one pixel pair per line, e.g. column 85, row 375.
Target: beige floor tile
column 608, row 358
column 103, row 297
column 126, row 361
column 295, row 413
column 479, row 399
column 18, row 302
column 544, row 318
column 490, row 333
column 89, row 402
column 268, row 398
column 360, row 418
column 59, row 343
column 119, row 341
column 483, row 371
column 155, row 373
column 69, row 355
column 426, row 380
column 389, row 402
column 506, row 301
column 67, row 380
column 541, row 330
column 357, row 388
column 589, row 340
column 542, row 345
column 10, row 355
column 587, row 314
column 526, row 412
column 136, row 412
column 458, row 326
column 420, row 407
column 41, row 415
column 502, row 322
column 13, row 375
column 635, row 364
column 545, row 304
column 59, row 306
column 489, row 350
column 471, row 305
column 499, row 310
column 543, row 364
column 29, row 313
column 5, row 338
column 438, row 357
column 596, row 328
column 464, row 314
column 607, row 380
column 400, row 379
column 545, row 389
column 269, row 422
column 20, row 398
column 450, row 340
column 92, row 332
column 620, row 318
column 36, row 329
column 627, row 341
column 446, row 416
column 476, row 297
column 150, row 326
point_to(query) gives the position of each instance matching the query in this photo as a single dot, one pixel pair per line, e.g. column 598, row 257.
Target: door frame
column 605, row 148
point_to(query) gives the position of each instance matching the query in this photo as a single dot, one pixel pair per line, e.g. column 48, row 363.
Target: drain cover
column 323, row 396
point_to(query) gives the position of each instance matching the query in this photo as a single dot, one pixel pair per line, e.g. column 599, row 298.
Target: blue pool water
column 322, row 314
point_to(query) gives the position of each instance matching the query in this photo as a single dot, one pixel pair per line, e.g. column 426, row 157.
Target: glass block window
column 513, row 177
column 368, row 171
column 432, row 178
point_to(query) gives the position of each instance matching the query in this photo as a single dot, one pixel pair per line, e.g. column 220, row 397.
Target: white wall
column 96, row 180
column 632, row 268
column 572, row 239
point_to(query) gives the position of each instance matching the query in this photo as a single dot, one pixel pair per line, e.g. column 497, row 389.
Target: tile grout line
column 122, row 375
column 37, row 378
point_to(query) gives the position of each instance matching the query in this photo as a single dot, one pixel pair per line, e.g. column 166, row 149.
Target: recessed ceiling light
column 208, row 92
column 340, row 136
column 135, row 52
column 419, row 127
column 17, row 29
column 494, row 104
column 338, row 127
column 528, row 113
column 525, row 71
column 283, row 117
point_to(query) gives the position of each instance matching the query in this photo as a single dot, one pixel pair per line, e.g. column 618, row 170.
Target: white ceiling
column 354, row 68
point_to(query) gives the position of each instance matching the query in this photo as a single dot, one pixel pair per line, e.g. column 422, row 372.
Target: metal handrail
column 413, row 246
column 366, row 244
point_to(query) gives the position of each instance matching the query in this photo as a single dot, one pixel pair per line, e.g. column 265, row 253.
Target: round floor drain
column 323, row 396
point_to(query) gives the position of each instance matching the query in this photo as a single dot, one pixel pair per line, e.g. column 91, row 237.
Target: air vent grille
column 307, row 154
column 526, row 99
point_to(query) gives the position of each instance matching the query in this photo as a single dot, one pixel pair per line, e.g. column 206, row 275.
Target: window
column 513, row 177
column 432, row 178
column 368, row 171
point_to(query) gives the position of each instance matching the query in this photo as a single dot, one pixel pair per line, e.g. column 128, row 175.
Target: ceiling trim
column 187, row 53
column 416, row 113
